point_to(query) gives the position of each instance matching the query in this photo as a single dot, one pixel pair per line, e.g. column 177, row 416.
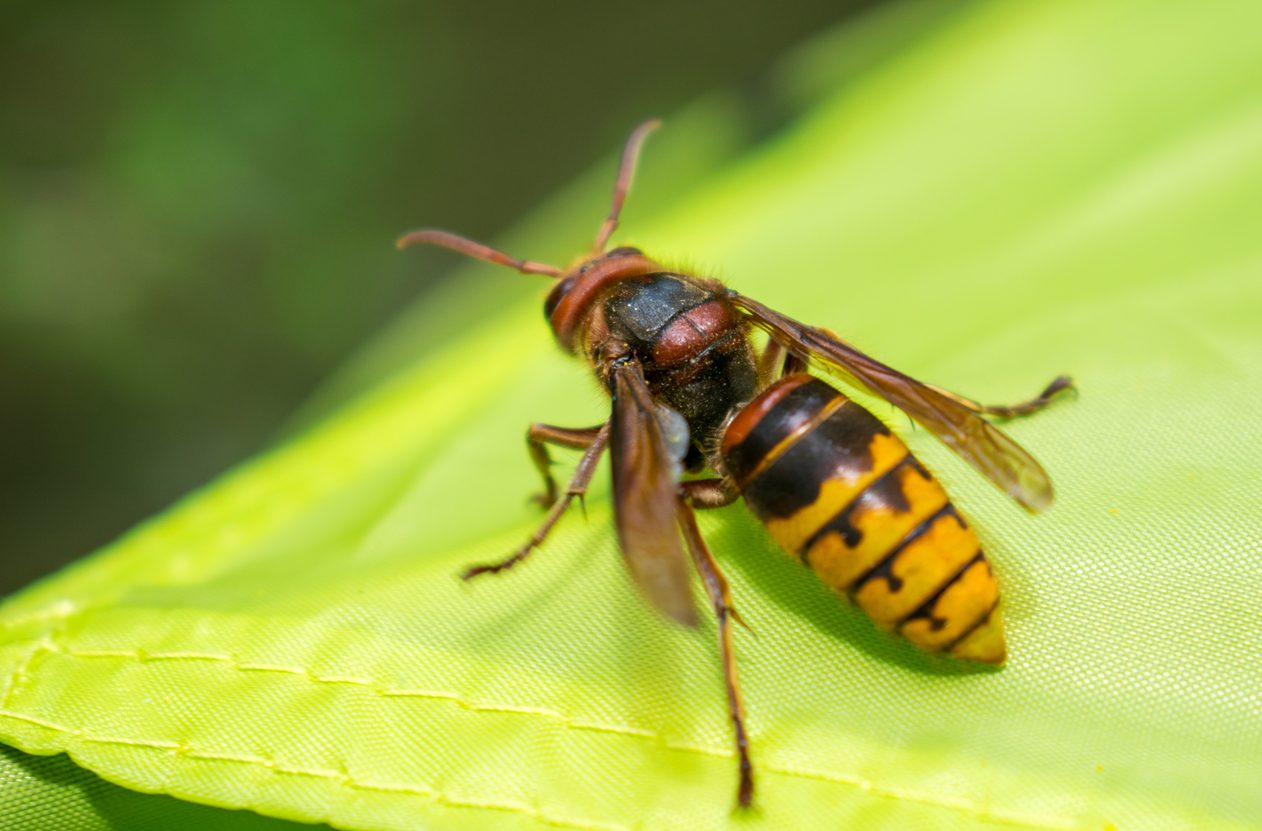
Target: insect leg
column 792, row 365
column 709, row 493
column 541, row 435
column 578, row 486
column 770, row 363
column 776, row 361
column 1060, row 382
column 721, row 599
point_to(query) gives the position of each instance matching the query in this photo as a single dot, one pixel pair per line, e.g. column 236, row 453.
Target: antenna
column 630, row 154
column 466, row 246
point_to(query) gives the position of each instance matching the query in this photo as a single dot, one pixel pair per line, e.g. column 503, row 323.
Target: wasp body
column 834, row 486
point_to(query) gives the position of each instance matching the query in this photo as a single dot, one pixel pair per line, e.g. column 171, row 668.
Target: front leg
column 539, row 436
column 578, row 486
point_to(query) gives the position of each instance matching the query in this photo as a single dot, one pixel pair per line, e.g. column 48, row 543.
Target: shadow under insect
column 741, row 543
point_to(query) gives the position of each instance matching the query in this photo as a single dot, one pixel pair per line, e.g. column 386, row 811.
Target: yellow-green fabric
column 1025, row 189
column 52, row 792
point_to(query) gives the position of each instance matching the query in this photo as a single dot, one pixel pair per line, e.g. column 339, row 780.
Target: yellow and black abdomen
column 835, row 487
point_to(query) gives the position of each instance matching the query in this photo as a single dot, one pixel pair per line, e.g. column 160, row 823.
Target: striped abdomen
column 837, row 488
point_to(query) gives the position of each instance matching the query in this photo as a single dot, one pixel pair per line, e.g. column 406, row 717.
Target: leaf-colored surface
column 52, row 792
column 1030, row 189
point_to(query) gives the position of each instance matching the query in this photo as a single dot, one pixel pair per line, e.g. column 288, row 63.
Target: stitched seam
column 191, row 752
column 143, row 656
column 958, row 804
column 43, row 644
column 188, row 751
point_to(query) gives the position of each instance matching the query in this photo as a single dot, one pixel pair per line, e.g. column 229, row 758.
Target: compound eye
column 556, row 295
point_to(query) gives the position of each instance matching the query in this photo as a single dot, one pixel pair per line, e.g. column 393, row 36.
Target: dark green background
column 199, row 201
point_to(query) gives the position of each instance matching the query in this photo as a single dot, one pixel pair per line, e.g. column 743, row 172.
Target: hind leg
column 1038, row 402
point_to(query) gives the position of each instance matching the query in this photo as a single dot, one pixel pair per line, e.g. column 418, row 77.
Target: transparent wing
column 977, row 441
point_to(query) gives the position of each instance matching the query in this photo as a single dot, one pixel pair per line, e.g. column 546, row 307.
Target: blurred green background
column 199, row 201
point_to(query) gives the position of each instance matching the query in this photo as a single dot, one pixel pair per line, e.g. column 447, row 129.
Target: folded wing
column 977, row 441
column 646, row 473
